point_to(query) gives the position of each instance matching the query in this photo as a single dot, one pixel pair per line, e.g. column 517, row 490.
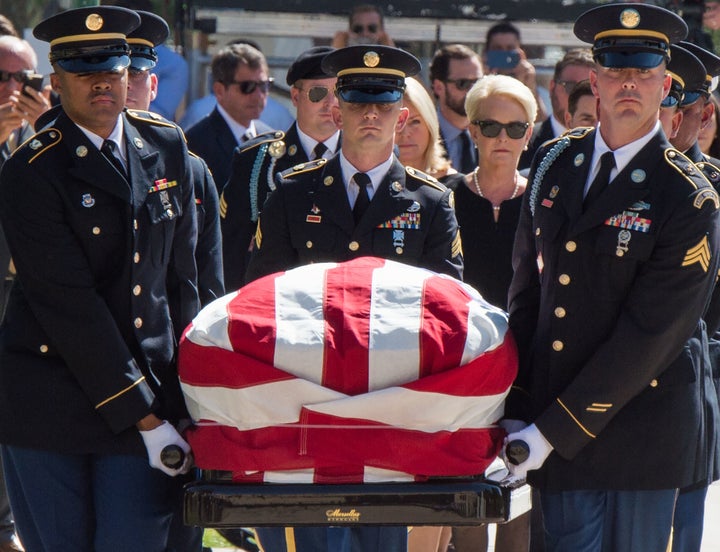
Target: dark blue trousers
column 87, row 502
column 607, row 521
column 689, row 518
column 333, row 539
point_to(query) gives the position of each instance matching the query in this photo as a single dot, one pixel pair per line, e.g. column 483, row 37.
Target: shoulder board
column 265, row 138
column 303, row 168
column 578, row 132
column 711, row 172
column 38, row 144
column 425, row 178
column 149, row 117
column 694, row 176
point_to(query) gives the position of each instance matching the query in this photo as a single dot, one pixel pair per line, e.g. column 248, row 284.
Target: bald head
column 16, row 55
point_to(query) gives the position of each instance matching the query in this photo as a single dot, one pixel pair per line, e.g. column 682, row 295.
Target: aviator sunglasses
column 17, row 76
column 315, row 93
column 491, row 129
column 372, row 28
column 462, row 84
column 249, row 86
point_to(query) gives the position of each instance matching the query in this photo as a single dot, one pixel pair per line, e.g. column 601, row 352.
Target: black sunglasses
column 372, row 28
column 316, row 93
column 491, row 129
column 567, row 85
column 249, row 86
column 17, row 76
column 462, row 84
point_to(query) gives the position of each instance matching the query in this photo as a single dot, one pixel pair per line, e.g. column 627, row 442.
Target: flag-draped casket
column 368, row 370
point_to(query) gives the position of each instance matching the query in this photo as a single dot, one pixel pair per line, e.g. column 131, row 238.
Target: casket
column 334, row 384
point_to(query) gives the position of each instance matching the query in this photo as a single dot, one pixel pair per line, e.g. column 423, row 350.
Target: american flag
column 368, row 370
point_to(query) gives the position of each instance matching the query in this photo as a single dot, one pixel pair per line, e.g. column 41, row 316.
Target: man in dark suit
column 314, row 135
column 241, row 84
column 97, row 230
column 572, row 68
column 615, row 258
column 361, row 202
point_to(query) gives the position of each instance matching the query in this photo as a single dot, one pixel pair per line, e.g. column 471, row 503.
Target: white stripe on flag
column 209, row 328
column 418, row 410
column 395, row 320
column 256, row 406
column 300, row 322
column 486, row 327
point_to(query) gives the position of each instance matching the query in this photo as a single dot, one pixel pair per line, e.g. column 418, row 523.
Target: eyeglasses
column 491, row 129
column 249, row 86
column 462, row 84
column 372, row 28
column 567, row 85
column 17, row 76
column 316, row 93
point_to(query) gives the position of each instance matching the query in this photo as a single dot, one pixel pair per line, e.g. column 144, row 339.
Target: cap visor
column 141, row 63
column 637, row 60
column 370, row 95
column 94, row 64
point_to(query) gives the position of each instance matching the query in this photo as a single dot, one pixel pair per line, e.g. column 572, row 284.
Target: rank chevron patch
column 698, row 254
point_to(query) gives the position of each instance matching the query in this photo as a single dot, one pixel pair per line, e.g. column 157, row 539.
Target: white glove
column 540, row 449
column 512, row 426
column 157, row 439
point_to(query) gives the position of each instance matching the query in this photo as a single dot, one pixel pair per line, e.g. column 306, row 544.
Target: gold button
column 309, row 244
column 399, row 250
column 564, row 279
column 137, row 290
column 654, row 383
column 43, row 348
column 560, row 312
column 136, row 257
column 138, row 322
column 558, row 345
column 537, row 231
column 96, row 230
column 571, row 246
column 354, row 246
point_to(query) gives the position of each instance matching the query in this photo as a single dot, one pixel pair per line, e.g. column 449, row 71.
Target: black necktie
column 363, row 199
column 319, row 150
column 607, row 164
column 108, row 150
column 468, row 161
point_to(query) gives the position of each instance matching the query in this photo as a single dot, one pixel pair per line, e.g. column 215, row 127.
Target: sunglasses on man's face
column 372, row 28
column 491, row 129
column 316, row 94
column 462, row 84
column 17, row 76
column 249, row 86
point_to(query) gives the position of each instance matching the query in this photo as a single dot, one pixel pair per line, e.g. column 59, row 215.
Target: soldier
column 142, row 89
column 314, row 135
column 319, row 213
column 362, row 201
column 87, row 376
column 606, row 300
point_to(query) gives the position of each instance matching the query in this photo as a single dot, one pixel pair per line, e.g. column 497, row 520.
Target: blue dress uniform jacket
column 252, row 177
column 88, row 344
column 212, row 139
column 308, row 219
column 603, row 305
column 208, row 252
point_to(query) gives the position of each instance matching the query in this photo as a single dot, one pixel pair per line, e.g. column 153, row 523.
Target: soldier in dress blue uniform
column 323, row 211
column 316, row 214
column 142, row 89
column 89, row 393
column 615, row 258
column 255, row 163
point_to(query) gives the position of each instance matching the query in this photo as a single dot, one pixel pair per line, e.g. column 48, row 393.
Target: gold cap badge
column 94, row 22
column 371, row 59
column 629, row 18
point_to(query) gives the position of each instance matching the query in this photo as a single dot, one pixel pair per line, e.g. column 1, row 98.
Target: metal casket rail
column 218, row 503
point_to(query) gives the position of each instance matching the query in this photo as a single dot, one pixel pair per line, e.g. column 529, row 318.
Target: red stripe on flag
column 444, row 325
column 348, row 293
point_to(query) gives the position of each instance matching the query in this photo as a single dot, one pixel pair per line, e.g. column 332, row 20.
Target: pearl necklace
column 479, row 190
